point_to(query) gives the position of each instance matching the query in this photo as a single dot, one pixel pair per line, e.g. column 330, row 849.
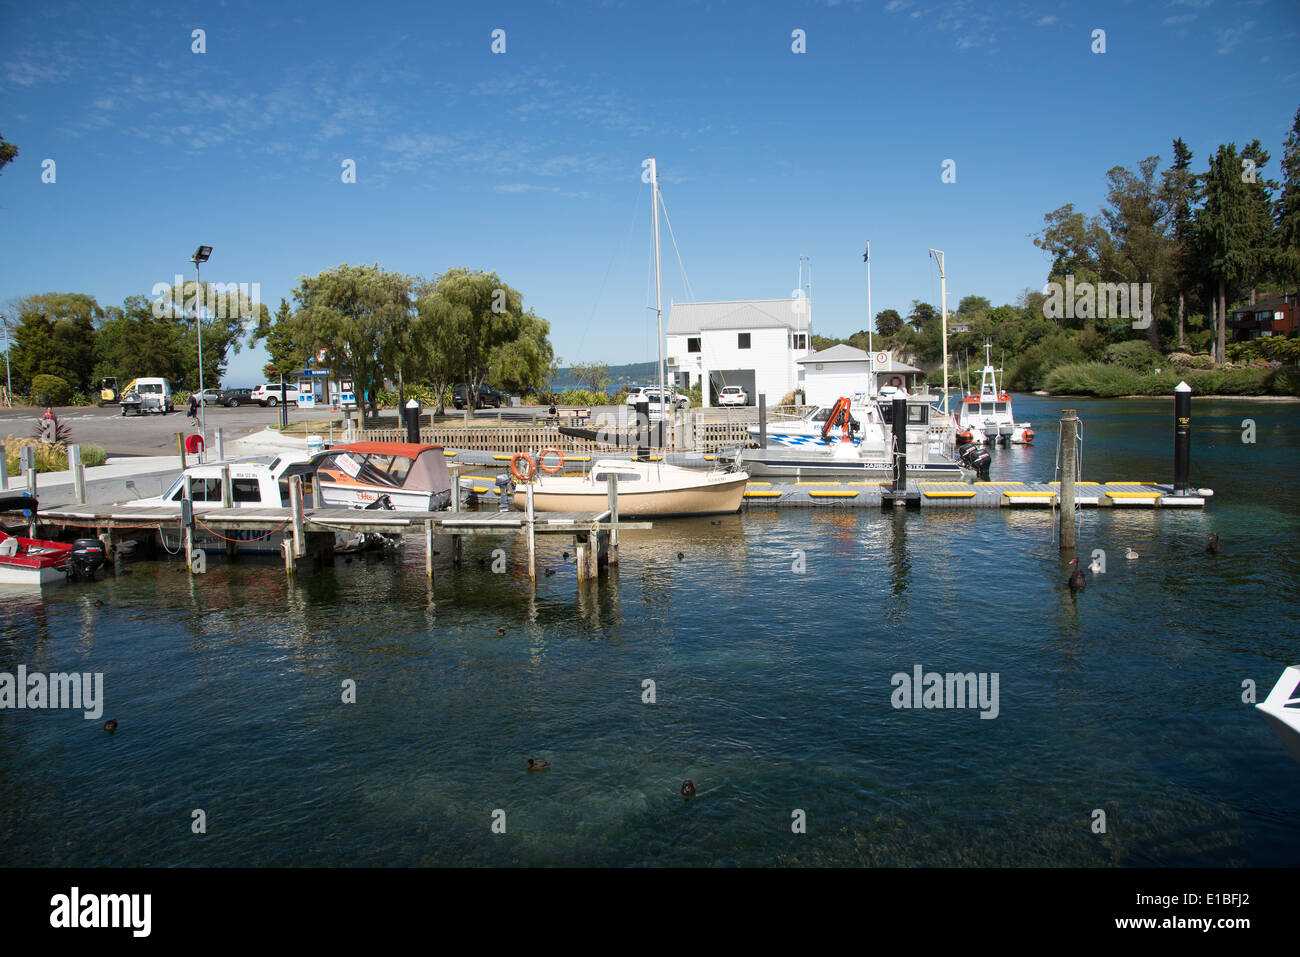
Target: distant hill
column 634, row 373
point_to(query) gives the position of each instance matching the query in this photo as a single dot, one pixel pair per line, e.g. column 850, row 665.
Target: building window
column 742, row 340
column 693, row 344
column 800, row 341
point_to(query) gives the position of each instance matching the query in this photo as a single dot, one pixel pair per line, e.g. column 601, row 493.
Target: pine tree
column 1224, row 234
column 1181, row 193
column 1287, row 210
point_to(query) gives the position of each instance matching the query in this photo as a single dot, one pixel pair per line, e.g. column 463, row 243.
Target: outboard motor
column 504, row 487
column 976, row 458
column 86, row 558
column 382, row 502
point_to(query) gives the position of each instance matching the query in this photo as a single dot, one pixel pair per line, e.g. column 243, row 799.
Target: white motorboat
column 1282, row 709
column 409, row 476
column 811, row 429
column 644, row 488
column 986, row 417
column 32, row 562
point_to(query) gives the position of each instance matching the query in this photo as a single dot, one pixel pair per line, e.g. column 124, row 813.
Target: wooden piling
column 180, row 448
column 4, row 468
column 221, row 446
column 612, row 480
column 428, row 550
column 31, row 489
column 580, row 557
column 295, row 508
column 532, row 543
column 1069, row 473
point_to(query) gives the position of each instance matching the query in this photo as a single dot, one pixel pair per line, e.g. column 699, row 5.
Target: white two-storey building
column 754, row 344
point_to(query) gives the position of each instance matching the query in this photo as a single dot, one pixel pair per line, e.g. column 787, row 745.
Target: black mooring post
column 762, row 420
column 284, row 404
column 642, row 431
column 900, row 445
column 1182, row 438
column 412, row 414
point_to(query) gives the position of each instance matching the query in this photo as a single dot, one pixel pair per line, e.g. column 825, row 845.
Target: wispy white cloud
column 1231, row 36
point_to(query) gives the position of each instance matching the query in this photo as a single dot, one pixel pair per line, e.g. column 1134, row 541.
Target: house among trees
column 1266, row 318
column 754, row 344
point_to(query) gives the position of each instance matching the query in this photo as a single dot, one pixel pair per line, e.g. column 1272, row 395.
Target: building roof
column 690, row 317
column 847, row 353
column 1266, row 305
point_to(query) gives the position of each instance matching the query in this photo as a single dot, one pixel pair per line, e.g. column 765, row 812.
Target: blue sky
column 528, row 162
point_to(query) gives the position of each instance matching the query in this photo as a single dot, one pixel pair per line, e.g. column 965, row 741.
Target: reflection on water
column 772, row 689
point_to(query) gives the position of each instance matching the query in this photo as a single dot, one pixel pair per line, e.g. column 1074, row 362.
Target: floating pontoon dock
column 965, row 495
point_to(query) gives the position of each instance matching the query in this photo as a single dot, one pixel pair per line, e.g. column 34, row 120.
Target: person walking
column 193, row 411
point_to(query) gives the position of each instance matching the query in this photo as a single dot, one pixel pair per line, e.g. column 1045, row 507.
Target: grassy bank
column 50, row 456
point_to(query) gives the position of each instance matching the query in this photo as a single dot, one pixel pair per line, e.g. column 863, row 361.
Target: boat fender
column 550, row 469
column 528, row 473
column 1028, row 435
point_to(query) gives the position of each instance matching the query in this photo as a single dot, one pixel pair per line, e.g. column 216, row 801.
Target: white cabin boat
column 644, row 488
column 411, row 477
column 987, row 415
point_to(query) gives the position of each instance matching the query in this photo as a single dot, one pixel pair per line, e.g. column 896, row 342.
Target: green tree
column 7, row 153
column 888, row 322
column 464, row 322
column 1139, row 250
column 971, row 306
column 1287, row 211
column 524, row 364
column 1261, row 234
column 593, row 375
column 55, row 335
column 1181, row 196
column 286, row 356
column 133, row 342
column 922, row 315
column 1224, row 235
column 354, row 314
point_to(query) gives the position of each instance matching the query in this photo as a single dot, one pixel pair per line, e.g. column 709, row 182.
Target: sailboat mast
column 659, row 293
column 871, row 351
column 943, row 304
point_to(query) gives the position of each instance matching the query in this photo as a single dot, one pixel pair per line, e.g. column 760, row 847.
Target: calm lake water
column 773, row 689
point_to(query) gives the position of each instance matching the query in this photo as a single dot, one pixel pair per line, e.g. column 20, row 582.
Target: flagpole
column 871, row 322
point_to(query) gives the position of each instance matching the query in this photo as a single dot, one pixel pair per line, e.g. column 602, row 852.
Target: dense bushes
column 55, row 390
column 1109, row 381
column 1134, row 354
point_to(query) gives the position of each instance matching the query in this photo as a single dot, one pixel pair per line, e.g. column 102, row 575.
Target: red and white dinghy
column 32, row 561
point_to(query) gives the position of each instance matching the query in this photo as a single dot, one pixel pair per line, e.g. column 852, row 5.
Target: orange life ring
column 896, row 381
column 1028, row 435
column 532, row 467
column 550, row 470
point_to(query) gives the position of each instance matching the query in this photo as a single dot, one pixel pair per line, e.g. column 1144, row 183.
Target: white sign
column 882, row 357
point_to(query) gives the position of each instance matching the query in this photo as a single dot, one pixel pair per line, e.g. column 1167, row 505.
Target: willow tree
column 353, row 314
column 464, row 322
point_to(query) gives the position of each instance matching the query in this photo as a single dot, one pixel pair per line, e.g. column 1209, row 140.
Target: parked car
column 486, row 396
column 634, row 394
column 147, row 395
column 234, row 398
column 733, row 395
column 676, row 399
column 207, row 396
column 269, row 394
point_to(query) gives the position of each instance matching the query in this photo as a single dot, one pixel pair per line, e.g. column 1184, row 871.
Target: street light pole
column 201, row 255
column 9, row 382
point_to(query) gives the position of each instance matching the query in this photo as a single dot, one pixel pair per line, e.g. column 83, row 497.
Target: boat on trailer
column 986, row 417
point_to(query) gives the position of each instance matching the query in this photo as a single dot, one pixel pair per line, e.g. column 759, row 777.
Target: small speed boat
column 411, row 477
column 32, row 561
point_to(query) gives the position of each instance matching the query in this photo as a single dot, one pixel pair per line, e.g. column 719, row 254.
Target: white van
column 147, row 395
column 269, row 394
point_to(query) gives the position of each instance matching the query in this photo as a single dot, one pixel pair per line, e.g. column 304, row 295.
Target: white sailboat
column 645, row 488
column 1282, row 709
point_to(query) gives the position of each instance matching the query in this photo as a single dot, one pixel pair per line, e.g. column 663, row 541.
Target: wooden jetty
column 310, row 531
column 1125, row 494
